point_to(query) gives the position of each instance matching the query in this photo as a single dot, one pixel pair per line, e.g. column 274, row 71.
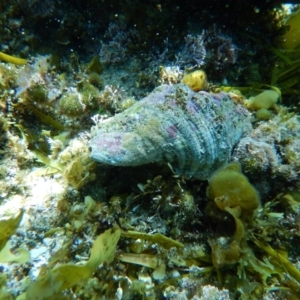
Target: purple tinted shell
column 194, row 132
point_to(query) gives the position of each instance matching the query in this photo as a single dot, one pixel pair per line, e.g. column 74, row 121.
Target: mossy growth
column 232, row 193
column 89, row 93
column 37, row 93
column 71, row 104
column 228, row 187
column 95, row 79
column 137, row 289
column 75, row 102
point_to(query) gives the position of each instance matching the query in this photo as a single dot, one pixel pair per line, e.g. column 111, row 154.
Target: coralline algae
column 194, row 132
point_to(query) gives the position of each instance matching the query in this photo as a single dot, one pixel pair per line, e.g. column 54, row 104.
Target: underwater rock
column 194, row 132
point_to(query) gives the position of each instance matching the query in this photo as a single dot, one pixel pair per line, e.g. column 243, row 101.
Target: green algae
column 37, row 93
column 12, row 59
column 47, row 161
column 45, row 119
column 20, row 255
column 280, row 261
column 71, row 104
column 95, row 79
column 80, row 100
column 8, row 228
column 254, row 264
column 95, row 66
column 153, row 238
column 229, row 188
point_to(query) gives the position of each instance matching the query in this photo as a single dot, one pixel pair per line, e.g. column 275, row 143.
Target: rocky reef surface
column 191, row 110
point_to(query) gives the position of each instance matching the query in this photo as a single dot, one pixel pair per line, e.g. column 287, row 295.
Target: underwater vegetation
column 49, row 284
column 149, row 151
column 285, row 73
column 12, row 59
column 290, row 39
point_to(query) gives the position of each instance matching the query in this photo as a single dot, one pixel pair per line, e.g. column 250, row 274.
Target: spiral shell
column 194, row 132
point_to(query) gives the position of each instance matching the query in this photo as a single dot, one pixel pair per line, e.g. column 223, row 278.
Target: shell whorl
column 194, row 132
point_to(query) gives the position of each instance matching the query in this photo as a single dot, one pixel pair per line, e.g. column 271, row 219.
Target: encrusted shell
column 194, row 132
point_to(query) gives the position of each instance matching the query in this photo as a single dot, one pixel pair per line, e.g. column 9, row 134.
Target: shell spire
column 194, row 132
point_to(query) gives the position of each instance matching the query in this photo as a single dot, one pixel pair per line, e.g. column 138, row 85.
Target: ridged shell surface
column 194, row 132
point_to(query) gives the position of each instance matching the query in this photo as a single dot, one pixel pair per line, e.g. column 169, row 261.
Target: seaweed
column 8, row 228
column 50, row 283
column 12, row 59
column 153, row 238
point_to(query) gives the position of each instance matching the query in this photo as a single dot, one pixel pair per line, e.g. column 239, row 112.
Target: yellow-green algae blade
column 279, row 259
column 8, row 228
column 21, row 256
column 12, row 59
column 158, row 238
